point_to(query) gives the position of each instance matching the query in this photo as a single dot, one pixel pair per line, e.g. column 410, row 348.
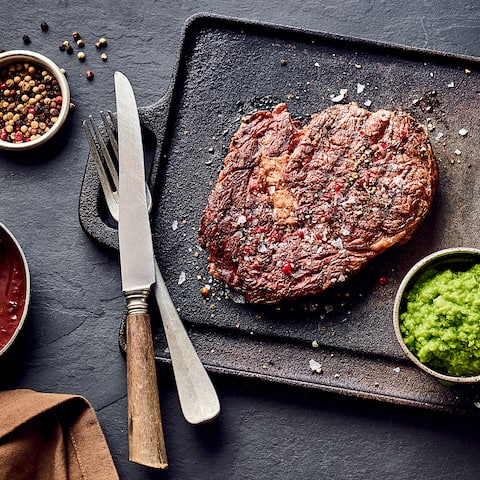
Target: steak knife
column 145, row 433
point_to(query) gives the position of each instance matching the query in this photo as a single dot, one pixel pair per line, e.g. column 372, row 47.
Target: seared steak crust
column 296, row 210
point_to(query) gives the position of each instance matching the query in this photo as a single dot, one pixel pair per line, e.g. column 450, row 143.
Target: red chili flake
column 255, row 265
column 327, row 196
column 360, row 182
column 337, row 188
column 287, row 268
column 382, row 280
column 259, row 229
column 384, row 145
column 301, row 234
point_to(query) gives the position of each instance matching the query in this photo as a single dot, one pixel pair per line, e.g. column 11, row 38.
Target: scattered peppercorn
column 62, row 47
column 44, row 26
column 104, row 57
column 205, row 291
column 102, row 42
column 76, row 35
column 81, row 56
column 89, row 75
column 30, row 102
column 26, row 39
column 80, row 43
column 69, row 49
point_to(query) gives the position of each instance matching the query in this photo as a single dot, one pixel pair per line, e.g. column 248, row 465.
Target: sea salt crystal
column 181, row 278
column 396, row 369
column 174, row 225
column 367, row 103
column 241, row 220
column 463, row 132
column 337, row 243
column 315, row 366
column 341, row 96
column 457, row 152
column 360, row 88
column 262, row 248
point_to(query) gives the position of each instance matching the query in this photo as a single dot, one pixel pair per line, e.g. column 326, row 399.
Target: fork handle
column 198, row 398
column 145, row 433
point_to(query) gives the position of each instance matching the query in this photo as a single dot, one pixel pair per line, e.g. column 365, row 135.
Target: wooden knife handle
column 145, row 433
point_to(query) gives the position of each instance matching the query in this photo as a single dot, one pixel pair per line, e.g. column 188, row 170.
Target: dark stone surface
column 70, row 340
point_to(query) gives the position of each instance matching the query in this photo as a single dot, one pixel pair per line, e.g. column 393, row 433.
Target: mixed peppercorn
column 30, row 102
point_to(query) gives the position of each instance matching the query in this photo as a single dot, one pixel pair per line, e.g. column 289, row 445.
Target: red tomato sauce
column 13, row 288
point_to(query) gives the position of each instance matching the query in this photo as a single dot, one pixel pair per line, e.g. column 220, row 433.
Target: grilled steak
column 296, row 210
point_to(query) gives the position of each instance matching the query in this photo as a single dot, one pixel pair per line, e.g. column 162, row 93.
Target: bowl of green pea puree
column 437, row 315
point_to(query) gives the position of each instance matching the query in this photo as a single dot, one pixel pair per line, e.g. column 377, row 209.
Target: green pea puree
column 440, row 323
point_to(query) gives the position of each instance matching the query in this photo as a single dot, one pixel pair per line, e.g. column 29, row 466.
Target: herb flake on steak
column 298, row 209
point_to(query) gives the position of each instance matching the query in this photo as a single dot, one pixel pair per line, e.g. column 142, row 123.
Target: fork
column 198, row 398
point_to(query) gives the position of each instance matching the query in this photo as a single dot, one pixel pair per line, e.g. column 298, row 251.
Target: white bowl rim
column 425, row 261
column 12, row 56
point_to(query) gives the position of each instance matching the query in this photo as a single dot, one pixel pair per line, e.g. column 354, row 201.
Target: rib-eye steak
column 296, row 210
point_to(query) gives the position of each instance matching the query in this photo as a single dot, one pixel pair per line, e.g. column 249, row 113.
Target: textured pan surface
column 228, row 68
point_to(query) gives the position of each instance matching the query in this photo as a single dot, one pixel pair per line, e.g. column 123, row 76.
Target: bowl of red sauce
column 14, row 288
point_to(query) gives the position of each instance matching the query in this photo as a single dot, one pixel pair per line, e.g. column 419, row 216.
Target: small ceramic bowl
column 454, row 258
column 14, row 289
column 45, row 64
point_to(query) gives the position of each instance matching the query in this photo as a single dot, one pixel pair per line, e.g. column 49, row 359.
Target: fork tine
column 111, row 129
column 95, row 141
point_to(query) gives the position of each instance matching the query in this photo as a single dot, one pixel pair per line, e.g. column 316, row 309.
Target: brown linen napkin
column 46, row 436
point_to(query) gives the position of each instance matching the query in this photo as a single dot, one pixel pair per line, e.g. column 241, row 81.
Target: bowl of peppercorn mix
column 34, row 99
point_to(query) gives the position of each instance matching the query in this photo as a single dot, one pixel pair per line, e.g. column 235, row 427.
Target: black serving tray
column 228, row 68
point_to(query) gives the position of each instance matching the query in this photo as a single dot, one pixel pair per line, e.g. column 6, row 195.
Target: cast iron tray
column 228, row 68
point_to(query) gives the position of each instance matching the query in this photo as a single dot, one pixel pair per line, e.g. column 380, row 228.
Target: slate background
column 70, row 341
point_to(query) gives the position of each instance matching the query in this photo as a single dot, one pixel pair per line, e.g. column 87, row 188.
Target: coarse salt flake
column 174, row 225
column 337, row 243
column 181, row 278
column 396, row 369
column 241, row 220
column 262, row 248
column 360, row 88
column 315, row 344
column 451, row 84
column 457, row 152
column 367, row 103
column 316, row 64
column 315, row 366
column 341, row 96
column 463, row 132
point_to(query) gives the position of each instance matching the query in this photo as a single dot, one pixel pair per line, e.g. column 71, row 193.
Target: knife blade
column 145, row 432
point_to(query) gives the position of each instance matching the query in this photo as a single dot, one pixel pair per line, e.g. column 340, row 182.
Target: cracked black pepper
column 30, row 102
